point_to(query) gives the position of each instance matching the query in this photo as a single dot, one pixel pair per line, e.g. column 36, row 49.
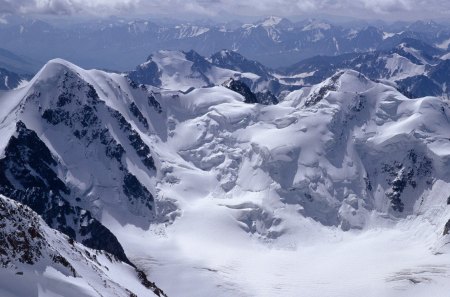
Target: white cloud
column 368, row 8
column 67, row 7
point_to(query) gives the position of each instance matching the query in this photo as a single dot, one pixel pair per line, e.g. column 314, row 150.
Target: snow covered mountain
column 415, row 68
column 173, row 168
column 50, row 263
column 185, row 71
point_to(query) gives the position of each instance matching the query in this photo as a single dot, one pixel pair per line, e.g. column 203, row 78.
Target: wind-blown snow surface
column 339, row 190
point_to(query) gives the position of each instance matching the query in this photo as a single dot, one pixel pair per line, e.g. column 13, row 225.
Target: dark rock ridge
column 28, row 175
column 21, row 238
column 447, row 228
column 266, row 98
column 147, row 73
column 232, row 60
column 25, row 241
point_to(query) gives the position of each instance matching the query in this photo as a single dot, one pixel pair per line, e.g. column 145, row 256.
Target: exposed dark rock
column 147, row 73
column 447, row 228
column 142, row 150
column 199, row 63
column 136, row 191
column 137, row 113
column 149, row 285
column 154, row 103
column 407, row 173
column 266, row 98
column 16, row 244
column 235, row 61
column 241, row 88
column 28, row 174
column 318, row 95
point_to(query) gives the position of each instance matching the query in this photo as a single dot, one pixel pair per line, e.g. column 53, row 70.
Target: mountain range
column 120, row 44
column 211, row 176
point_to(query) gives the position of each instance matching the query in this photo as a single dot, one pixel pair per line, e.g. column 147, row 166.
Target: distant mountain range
column 276, row 42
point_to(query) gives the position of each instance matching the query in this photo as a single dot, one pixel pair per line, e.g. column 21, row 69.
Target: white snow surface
column 275, row 200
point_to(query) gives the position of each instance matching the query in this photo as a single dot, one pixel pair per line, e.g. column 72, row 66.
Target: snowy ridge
column 188, row 31
column 53, row 264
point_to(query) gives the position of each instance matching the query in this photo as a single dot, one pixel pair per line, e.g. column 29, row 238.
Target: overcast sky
column 370, row 9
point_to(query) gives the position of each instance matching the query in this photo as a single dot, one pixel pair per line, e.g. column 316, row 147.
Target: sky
column 365, row 9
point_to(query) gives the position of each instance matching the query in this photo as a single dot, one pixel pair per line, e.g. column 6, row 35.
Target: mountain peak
column 271, row 21
column 274, row 21
column 314, row 24
column 54, row 67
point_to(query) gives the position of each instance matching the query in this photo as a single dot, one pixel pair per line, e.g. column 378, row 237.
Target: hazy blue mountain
column 120, row 45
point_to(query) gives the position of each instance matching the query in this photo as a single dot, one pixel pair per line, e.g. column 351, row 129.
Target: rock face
column 232, row 60
column 447, row 228
column 241, row 88
column 266, row 98
column 147, row 73
column 28, row 175
column 28, row 247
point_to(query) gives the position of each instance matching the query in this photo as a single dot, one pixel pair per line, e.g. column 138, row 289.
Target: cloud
column 361, row 8
column 67, row 7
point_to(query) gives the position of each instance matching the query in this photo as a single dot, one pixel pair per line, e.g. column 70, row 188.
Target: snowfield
column 339, row 190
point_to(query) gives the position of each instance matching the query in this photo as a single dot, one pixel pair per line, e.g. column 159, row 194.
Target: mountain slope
column 53, row 264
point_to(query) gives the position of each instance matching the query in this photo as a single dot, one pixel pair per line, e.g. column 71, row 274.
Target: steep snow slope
column 39, row 261
column 341, row 187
